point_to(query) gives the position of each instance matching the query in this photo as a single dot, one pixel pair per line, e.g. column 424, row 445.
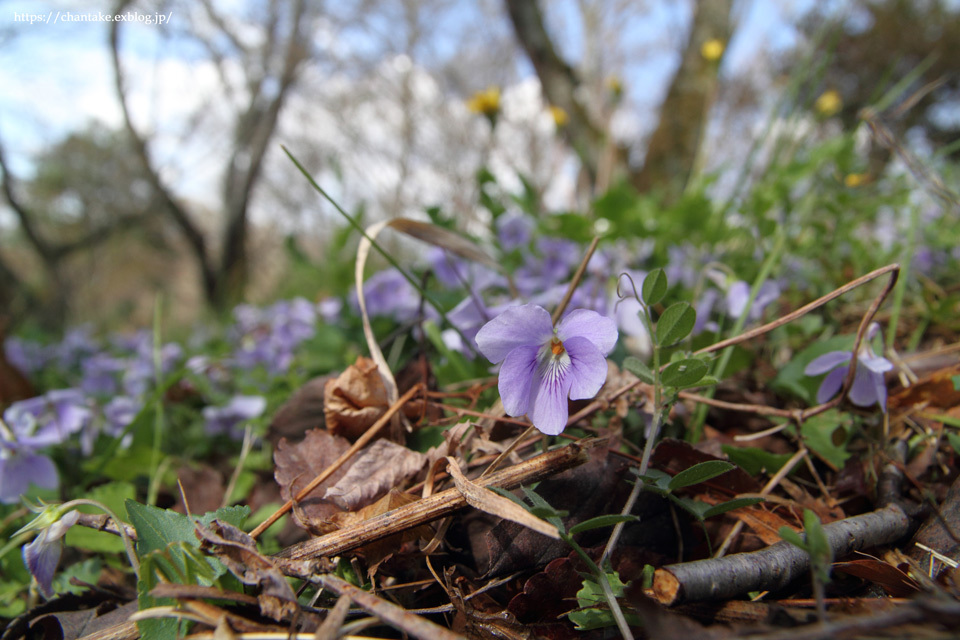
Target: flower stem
column 127, row 542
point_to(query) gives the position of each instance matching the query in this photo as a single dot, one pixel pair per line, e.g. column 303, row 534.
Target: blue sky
column 59, row 76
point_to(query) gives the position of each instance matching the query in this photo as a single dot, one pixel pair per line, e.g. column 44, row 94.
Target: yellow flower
column 486, row 102
column 615, row 86
column 560, row 117
column 828, row 103
column 712, row 49
column 854, row 180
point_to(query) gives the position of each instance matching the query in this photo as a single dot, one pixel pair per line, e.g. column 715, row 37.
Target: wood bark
column 672, row 150
column 776, row 566
column 286, row 48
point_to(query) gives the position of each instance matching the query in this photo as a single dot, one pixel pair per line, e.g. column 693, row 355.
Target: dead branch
column 437, row 505
column 776, row 566
column 388, row 612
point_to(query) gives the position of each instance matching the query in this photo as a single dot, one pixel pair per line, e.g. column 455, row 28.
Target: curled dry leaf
column 380, row 467
column 355, row 400
column 298, row 464
column 238, row 552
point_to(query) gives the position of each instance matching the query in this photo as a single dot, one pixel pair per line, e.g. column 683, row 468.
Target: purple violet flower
column 514, row 230
column 19, row 468
column 542, row 365
column 227, row 419
column 868, row 386
column 42, row 555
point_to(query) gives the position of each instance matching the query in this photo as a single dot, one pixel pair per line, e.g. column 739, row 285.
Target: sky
column 62, row 76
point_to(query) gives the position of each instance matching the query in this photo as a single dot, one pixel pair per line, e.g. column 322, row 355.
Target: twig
column 388, row 612
column 776, row 566
column 577, row 276
column 770, row 486
column 438, row 505
column 361, row 442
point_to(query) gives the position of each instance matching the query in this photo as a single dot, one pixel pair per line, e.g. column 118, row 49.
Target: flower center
column 556, row 347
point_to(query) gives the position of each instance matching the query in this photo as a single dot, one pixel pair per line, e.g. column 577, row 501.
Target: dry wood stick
column 361, row 442
column 390, row 613
column 776, row 566
column 438, row 505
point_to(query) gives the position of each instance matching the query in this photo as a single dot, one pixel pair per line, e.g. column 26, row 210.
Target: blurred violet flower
column 454, row 272
column 20, row 467
column 48, row 419
column 119, row 413
column 77, row 344
column 140, row 374
column 868, row 386
column 388, row 293
column 557, row 257
column 42, row 555
column 226, row 419
column 514, row 230
column 738, row 294
column 543, row 366
column 100, row 373
column 329, row 309
column 26, row 355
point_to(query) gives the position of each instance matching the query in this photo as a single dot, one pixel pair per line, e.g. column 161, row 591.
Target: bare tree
column 672, row 149
column 272, row 66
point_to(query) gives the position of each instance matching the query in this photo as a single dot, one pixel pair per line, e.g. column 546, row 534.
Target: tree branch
column 672, row 150
column 558, row 80
column 192, row 234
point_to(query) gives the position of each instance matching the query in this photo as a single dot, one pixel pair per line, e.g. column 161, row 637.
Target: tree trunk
column 673, row 147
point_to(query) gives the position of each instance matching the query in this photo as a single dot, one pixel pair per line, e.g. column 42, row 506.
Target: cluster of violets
column 115, row 378
column 541, row 365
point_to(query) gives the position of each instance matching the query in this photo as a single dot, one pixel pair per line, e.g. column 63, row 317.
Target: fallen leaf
column 484, row 499
column 202, row 488
column 894, row 580
column 355, row 400
column 298, row 464
column 375, row 470
column 301, row 412
column 238, row 552
column 934, row 390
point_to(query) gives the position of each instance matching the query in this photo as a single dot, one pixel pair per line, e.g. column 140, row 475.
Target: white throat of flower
column 552, row 359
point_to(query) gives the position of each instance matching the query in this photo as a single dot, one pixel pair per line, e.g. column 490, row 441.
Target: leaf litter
column 503, row 579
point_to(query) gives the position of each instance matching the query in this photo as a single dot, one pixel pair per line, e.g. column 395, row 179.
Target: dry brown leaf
column 238, row 552
column 355, row 400
column 298, row 464
column 487, row 501
column 375, row 470
column 302, row 411
column 935, row 390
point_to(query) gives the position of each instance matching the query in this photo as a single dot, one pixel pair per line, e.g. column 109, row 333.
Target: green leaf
column 954, row 440
column 601, row 521
column 112, row 495
column 730, row 505
column 654, row 287
column 675, row 323
column 594, row 612
column 816, row 537
column 656, row 480
column 828, row 436
column 754, row 460
column 684, row 373
column 696, row 508
column 956, row 383
column 792, row 537
column 637, row 367
column 699, row 473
